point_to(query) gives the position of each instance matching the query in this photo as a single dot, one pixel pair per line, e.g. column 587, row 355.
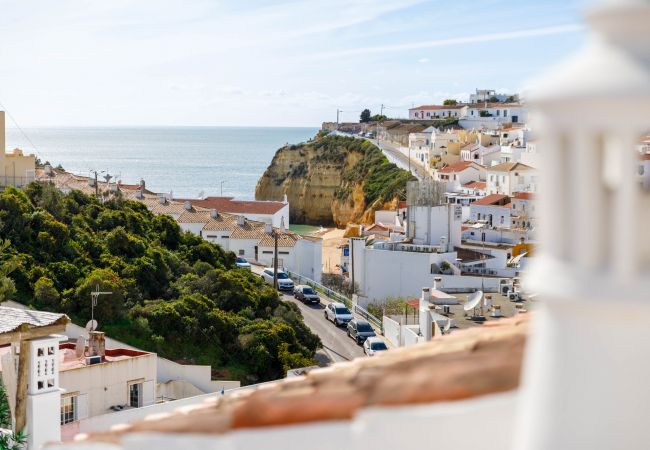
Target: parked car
column 373, row 345
column 306, row 294
column 242, row 263
column 338, row 313
column 360, row 330
column 284, row 282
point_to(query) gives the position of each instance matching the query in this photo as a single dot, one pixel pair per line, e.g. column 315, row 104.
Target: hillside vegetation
column 172, row 292
column 333, row 179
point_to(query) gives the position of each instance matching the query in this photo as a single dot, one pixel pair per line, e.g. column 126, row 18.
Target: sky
column 267, row 63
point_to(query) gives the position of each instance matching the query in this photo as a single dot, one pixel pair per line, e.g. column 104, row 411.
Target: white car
column 284, row 282
column 242, row 263
column 338, row 313
column 373, row 345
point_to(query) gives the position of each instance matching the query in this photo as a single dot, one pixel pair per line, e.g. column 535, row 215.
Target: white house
column 523, row 210
column 108, row 380
column 456, row 175
column 493, row 210
column 262, row 211
column 254, row 241
column 432, row 112
column 484, row 155
column 507, row 178
column 492, row 115
column 484, row 95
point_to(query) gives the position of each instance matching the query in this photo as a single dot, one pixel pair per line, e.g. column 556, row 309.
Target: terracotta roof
column 509, row 167
column 476, row 185
column 524, row 195
column 230, row 205
column 491, row 200
column 644, row 157
column 462, row 365
column 437, row 107
column 460, row 166
column 401, row 204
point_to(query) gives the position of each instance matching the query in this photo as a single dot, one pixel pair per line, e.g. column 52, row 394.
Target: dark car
column 360, row 330
column 306, row 294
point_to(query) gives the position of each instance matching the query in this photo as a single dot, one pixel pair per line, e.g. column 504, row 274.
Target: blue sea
column 185, row 160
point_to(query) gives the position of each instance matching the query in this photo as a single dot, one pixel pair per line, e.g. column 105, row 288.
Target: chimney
column 436, row 280
column 188, row 205
column 48, row 169
column 214, row 213
column 139, row 194
column 241, row 221
column 496, row 311
column 268, row 228
column 162, row 200
column 284, row 199
column 142, row 184
column 97, row 344
column 426, row 321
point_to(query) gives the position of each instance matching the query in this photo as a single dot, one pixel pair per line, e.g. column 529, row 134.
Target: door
column 256, row 249
column 515, row 119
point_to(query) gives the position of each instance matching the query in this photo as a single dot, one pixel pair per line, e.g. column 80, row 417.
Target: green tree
column 45, row 293
column 450, row 102
column 365, row 116
column 8, row 264
column 493, row 99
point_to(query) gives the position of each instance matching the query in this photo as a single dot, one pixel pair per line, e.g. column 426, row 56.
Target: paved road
column 395, row 156
column 337, row 346
column 400, row 159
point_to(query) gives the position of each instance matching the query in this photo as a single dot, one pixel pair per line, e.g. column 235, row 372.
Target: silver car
column 338, row 313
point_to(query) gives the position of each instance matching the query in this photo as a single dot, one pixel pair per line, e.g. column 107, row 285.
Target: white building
column 523, row 210
column 492, row 116
column 271, row 212
column 253, row 240
column 507, row 178
column 456, row 175
column 493, row 210
column 485, row 95
column 100, row 381
column 484, row 155
column 432, row 112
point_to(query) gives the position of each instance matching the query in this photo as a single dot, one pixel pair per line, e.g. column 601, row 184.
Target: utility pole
column 222, row 187
column 352, row 263
column 337, row 118
column 275, row 260
column 96, row 186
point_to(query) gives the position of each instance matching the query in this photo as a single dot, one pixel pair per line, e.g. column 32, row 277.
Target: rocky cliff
column 333, row 180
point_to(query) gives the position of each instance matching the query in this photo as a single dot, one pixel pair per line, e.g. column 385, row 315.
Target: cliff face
column 326, row 181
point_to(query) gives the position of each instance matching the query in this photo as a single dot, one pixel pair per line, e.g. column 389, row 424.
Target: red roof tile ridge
column 462, row 365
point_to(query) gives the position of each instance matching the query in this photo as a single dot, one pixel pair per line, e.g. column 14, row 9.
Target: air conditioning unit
column 90, row 360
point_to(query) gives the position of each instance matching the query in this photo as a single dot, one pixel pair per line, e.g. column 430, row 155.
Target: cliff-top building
column 16, row 168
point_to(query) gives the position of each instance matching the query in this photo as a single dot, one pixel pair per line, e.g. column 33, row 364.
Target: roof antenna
column 94, row 295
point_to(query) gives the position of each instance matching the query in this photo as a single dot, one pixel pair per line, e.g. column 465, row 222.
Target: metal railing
column 336, row 296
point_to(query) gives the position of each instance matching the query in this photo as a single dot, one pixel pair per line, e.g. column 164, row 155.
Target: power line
column 20, row 129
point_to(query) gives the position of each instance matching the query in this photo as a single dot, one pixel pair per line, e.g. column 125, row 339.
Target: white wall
column 430, row 223
column 106, row 383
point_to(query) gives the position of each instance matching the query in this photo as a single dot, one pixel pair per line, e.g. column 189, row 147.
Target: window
column 68, row 409
column 135, row 395
column 472, row 112
column 505, row 113
column 283, row 253
column 267, row 252
column 241, row 252
column 498, row 113
column 225, row 237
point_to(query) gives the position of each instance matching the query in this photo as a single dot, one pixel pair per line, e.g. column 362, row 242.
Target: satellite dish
column 91, row 325
column 448, row 326
column 473, row 301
